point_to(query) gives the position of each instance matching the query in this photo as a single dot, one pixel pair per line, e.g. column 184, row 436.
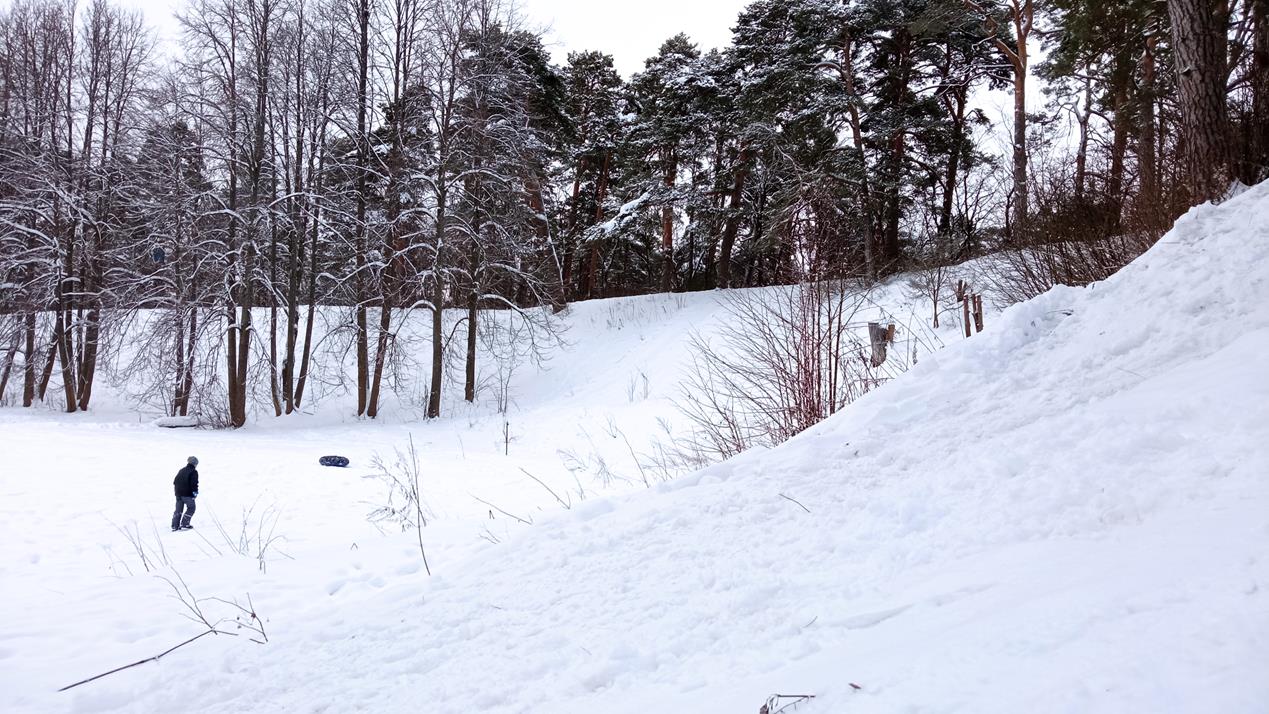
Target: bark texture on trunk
column 667, row 229
column 1199, row 42
column 1146, row 137
column 732, row 226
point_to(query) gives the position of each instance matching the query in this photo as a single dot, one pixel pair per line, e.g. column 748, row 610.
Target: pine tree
column 593, row 101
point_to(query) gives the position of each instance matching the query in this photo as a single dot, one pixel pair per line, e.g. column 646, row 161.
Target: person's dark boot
column 187, row 527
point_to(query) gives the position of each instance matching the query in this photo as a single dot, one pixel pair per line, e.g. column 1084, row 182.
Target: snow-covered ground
column 1066, row 513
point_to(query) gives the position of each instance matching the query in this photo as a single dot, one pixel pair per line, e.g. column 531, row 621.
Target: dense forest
column 422, row 159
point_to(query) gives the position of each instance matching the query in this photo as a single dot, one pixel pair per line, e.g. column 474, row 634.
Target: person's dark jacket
column 186, row 481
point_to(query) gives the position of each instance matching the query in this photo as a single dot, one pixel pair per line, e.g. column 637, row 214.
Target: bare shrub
column 784, row 360
column 932, row 281
column 150, row 556
column 1023, row 273
column 1076, row 236
column 592, row 462
column 638, row 388
column 405, row 505
column 669, row 457
column 255, row 536
column 170, row 362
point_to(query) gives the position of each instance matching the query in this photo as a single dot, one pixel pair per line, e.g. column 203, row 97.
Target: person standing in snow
column 186, row 484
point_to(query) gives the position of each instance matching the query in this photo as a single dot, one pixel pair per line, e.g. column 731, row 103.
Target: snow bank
column 1067, row 513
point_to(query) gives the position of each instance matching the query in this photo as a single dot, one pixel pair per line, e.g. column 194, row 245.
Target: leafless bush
column 591, row 462
column 616, row 433
column 255, row 536
column 785, row 359
column 1077, row 236
column 931, row 281
column 669, row 457
column 1021, row 274
column 510, row 339
column 405, row 505
column 149, row 555
column 638, row 388
column 171, row 362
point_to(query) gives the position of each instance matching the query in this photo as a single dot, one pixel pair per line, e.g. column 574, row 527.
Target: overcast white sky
column 632, row 30
column 629, row 30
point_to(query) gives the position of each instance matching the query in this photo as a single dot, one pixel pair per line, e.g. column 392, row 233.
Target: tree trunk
column 385, row 324
column 1118, row 145
column 732, row 226
column 238, row 400
column 360, row 245
column 900, row 73
column 275, row 388
column 88, row 358
column 8, row 363
column 1081, row 149
column 381, row 354
column 438, row 308
column 237, row 270
column 185, row 346
column 28, row 361
column 570, row 242
column 311, row 302
column 601, row 190
column 1020, row 186
column 1149, row 193
column 1199, row 42
column 469, row 376
column 51, row 359
column 61, row 336
column 667, row 227
column 954, row 102
column 1255, row 167
column 847, row 64
column 85, row 367
column 295, row 257
column 542, row 228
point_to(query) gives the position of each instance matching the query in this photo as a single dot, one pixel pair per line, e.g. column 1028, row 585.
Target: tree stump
column 880, row 337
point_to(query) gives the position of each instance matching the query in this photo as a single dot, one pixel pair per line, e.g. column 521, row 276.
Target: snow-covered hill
column 1067, row 513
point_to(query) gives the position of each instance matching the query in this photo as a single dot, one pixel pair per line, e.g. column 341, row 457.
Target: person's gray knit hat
column 192, row 461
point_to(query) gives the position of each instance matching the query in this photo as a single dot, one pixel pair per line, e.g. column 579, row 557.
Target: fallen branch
column 567, row 506
column 508, row 515
column 253, row 622
column 776, row 703
column 186, row 597
column 795, row 501
column 155, row 658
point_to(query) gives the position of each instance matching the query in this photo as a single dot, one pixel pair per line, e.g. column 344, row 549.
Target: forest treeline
column 388, row 158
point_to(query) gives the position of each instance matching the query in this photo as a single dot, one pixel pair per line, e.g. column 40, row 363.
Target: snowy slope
column 1067, row 513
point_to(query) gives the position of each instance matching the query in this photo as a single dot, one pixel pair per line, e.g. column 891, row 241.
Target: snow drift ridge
column 1065, row 513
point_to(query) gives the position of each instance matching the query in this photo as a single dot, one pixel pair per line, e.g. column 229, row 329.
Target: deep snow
column 1066, row 513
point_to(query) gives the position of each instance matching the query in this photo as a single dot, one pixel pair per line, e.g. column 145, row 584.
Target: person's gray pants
column 185, row 503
